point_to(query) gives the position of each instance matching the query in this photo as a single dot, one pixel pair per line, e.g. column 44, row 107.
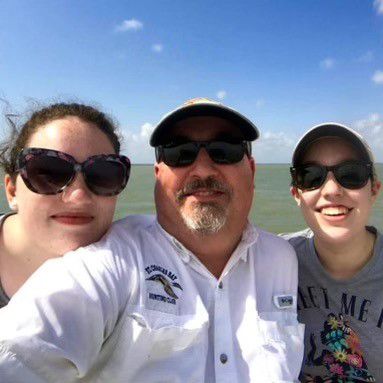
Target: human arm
column 54, row 327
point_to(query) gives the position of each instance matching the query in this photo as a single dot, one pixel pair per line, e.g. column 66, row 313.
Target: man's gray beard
column 206, row 218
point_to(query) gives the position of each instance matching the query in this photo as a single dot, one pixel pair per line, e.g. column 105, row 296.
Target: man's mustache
column 209, row 184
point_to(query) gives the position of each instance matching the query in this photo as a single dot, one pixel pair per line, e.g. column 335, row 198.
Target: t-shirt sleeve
column 54, row 326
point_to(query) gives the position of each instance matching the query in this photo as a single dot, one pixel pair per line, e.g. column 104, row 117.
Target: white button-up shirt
column 139, row 307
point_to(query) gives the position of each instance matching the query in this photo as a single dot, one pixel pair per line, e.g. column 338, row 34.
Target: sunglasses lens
column 185, row 154
column 310, row 177
column 46, row 174
column 180, row 155
column 223, row 152
column 106, row 177
column 352, row 175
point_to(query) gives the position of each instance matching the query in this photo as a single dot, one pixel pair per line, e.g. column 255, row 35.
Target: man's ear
column 156, row 169
column 375, row 189
column 295, row 194
column 10, row 191
column 253, row 166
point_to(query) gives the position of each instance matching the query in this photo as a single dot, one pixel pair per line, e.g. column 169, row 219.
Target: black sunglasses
column 350, row 175
column 46, row 171
column 185, row 153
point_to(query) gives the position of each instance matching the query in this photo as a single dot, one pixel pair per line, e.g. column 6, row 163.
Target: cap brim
column 160, row 135
column 331, row 130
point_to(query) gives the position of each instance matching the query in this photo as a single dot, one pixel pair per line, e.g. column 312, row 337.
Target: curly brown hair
column 10, row 148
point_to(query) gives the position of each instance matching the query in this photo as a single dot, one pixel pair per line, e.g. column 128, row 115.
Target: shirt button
column 220, row 285
column 185, row 257
column 223, row 358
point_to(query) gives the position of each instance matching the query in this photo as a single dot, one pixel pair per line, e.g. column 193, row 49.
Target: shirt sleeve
column 54, row 326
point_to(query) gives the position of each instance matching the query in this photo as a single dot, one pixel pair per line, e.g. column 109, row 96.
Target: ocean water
column 273, row 208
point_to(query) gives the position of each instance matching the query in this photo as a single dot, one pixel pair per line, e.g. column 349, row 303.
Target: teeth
column 339, row 210
column 204, row 193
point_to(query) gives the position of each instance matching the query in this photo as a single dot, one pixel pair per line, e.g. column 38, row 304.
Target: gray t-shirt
column 344, row 319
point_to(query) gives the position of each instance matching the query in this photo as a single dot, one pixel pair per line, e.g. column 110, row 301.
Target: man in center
column 204, row 181
column 197, row 295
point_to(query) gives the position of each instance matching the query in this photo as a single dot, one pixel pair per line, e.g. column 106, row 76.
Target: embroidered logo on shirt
column 284, row 301
column 166, row 279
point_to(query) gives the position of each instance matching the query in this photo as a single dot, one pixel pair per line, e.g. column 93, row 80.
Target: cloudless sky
column 287, row 65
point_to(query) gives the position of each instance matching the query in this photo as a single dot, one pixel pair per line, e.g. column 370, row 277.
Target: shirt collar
column 249, row 237
column 177, row 245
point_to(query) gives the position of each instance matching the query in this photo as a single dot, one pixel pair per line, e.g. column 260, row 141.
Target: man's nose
column 203, row 164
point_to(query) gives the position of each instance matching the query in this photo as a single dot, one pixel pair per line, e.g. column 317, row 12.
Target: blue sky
column 287, row 65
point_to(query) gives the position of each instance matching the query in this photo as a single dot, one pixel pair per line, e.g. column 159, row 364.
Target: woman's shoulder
column 298, row 238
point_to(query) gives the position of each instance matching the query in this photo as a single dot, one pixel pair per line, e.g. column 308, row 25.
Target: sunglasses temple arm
column 158, row 153
column 248, row 148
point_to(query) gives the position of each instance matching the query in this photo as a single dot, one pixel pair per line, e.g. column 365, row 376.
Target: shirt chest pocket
column 282, row 344
column 150, row 346
column 154, row 341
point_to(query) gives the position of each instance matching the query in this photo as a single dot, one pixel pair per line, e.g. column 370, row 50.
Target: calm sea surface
column 273, row 208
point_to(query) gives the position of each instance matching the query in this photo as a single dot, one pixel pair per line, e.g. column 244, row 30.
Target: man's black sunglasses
column 350, row 175
column 185, row 153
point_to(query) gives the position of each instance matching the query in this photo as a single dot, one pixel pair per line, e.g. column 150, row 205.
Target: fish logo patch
column 168, row 282
column 168, row 286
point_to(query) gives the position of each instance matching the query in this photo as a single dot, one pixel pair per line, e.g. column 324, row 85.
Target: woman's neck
column 18, row 257
column 344, row 260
